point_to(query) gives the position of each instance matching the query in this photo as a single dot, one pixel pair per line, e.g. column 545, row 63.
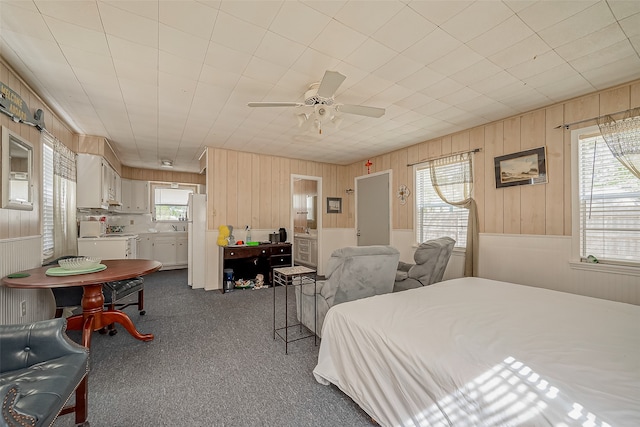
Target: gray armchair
column 431, row 259
column 39, row 370
column 352, row 273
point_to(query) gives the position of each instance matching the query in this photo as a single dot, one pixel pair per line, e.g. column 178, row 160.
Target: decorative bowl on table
column 80, row 263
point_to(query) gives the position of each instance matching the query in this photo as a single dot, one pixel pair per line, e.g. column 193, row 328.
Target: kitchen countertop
column 306, row 236
column 164, row 233
column 112, row 236
column 123, row 236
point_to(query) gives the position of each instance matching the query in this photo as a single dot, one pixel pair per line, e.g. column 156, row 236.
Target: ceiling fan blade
column 330, row 83
column 275, row 104
column 361, row 110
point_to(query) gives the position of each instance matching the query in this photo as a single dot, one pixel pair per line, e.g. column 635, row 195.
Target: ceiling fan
column 320, row 97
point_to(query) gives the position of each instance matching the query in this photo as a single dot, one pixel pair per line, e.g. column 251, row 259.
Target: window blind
column 434, row 217
column 47, row 200
column 172, row 196
column 609, row 205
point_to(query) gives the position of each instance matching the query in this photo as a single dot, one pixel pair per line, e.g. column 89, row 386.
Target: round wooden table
column 94, row 317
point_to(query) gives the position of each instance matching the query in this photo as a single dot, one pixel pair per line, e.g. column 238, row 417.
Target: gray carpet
column 213, row 362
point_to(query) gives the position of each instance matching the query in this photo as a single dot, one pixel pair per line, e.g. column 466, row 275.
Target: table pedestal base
column 94, row 317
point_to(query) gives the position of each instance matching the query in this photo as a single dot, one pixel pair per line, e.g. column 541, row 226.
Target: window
column 434, row 217
column 608, row 205
column 170, row 203
column 47, row 199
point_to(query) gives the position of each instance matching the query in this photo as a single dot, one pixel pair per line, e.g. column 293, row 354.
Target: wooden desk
column 94, row 316
column 247, row 261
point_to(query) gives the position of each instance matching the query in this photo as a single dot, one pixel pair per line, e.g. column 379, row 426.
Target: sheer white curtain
column 65, row 231
column 623, row 138
column 452, row 179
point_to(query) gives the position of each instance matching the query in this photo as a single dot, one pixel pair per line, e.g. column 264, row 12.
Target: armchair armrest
column 25, row 345
column 327, row 290
column 10, row 395
column 324, row 289
column 403, row 266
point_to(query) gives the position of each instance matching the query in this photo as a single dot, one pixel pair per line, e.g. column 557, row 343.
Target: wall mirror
column 17, row 162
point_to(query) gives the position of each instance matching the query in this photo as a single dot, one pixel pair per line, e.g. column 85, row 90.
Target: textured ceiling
column 164, row 79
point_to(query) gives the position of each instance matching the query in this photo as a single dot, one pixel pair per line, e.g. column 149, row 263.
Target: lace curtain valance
column 64, row 161
column 623, row 138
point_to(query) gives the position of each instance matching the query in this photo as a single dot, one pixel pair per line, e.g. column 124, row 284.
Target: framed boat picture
column 521, row 168
column 334, row 205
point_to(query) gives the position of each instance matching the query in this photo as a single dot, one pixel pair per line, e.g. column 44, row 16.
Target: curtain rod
column 475, row 150
column 566, row 125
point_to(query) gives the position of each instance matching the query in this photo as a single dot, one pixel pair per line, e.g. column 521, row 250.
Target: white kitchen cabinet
column 97, row 183
column 164, row 250
column 135, row 196
column 182, row 250
column 145, row 246
column 306, row 251
column 117, row 184
column 112, row 247
column 171, row 249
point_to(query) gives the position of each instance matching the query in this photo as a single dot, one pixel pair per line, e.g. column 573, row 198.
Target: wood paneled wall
column 16, row 223
column 162, row 175
column 253, row 189
column 543, row 209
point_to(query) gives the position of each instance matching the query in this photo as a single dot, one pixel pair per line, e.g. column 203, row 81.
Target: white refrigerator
column 196, row 227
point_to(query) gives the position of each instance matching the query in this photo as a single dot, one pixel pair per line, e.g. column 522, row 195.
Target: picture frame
column 334, row 205
column 521, row 168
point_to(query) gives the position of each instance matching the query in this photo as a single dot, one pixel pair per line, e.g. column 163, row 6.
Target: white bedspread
column 476, row 352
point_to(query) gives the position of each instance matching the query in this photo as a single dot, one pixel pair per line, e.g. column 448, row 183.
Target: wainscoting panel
column 332, row 239
column 544, row 261
column 16, row 255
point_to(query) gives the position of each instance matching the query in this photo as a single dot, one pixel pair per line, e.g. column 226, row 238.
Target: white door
column 373, row 210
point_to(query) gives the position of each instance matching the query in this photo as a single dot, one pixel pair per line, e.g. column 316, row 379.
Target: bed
column 478, row 352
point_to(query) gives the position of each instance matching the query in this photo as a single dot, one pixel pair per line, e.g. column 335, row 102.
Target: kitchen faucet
column 175, row 227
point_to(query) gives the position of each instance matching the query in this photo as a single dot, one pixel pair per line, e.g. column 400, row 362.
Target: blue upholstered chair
column 40, row 368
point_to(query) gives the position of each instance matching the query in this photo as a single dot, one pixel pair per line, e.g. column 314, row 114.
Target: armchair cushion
column 431, row 259
column 39, row 370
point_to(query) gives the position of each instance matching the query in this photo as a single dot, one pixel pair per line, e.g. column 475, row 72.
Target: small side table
column 292, row 276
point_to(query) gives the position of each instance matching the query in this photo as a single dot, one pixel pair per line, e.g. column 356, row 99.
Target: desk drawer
column 281, row 250
column 245, row 252
column 280, row 260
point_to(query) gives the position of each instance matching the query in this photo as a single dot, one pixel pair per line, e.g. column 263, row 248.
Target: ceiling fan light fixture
column 302, row 118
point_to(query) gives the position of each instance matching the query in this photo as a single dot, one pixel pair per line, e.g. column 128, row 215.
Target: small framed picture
column 522, row 168
column 334, row 204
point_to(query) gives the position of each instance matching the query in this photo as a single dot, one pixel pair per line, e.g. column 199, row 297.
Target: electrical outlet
column 23, row 308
